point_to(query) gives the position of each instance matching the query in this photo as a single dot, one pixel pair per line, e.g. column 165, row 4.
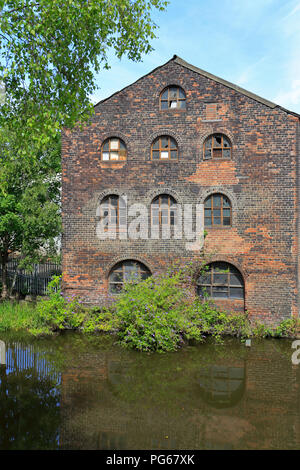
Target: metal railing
column 34, row 281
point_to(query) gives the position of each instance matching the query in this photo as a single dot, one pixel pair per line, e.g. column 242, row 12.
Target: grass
column 19, row 317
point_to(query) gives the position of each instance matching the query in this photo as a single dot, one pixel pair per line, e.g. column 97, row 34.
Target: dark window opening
column 221, row 281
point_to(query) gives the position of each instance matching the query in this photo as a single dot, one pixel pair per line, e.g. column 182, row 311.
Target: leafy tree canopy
column 50, row 51
column 29, row 203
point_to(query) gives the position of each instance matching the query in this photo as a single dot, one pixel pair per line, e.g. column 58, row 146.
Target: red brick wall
column 260, row 180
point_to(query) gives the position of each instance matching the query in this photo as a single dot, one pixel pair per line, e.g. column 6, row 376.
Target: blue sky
column 252, row 43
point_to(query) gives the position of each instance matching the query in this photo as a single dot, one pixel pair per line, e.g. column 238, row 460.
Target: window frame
column 121, row 268
column 221, row 148
column 118, row 226
column 226, row 286
column 171, row 201
column 169, row 99
column 221, row 208
column 109, row 151
column 161, row 149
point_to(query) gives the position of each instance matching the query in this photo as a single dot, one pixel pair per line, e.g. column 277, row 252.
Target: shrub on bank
column 159, row 314
column 60, row 313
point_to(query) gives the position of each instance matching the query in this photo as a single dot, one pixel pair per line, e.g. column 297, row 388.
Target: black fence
column 34, row 281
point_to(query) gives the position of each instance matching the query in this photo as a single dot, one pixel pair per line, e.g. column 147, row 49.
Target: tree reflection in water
column 29, row 403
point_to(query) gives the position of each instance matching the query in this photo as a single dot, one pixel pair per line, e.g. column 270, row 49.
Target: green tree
column 50, row 49
column 29, row 203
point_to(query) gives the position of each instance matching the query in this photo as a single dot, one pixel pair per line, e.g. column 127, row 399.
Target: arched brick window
column 217, row 211
column 217, row 146
column 221, row 281
column 172, row 97
column 164, row 148
column 125, row 271
column 163, row 210
column 113, row 149
column 113, row 212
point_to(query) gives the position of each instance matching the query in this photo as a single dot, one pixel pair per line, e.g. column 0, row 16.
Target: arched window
column 164, row 148
column 221, row 281
column 113, row 212
column 163, row 210
column 217, row 146
column 125, row 271
column 172, row 97
column 217, row 211
column 113, row 149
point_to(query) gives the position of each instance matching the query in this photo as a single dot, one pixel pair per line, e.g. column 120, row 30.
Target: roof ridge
column 178, row 60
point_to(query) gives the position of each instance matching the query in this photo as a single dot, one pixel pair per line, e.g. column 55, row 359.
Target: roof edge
column 210, row 76
column 234, row 87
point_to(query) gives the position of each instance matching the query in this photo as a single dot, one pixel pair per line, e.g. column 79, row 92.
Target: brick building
column 180, row 136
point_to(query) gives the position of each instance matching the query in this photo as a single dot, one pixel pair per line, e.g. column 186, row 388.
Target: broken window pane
column 173, row 104
column 164, row 142
column 164, row 155
column 155, row 144
column 218, row 141
column 173, row 92
column 105, row 156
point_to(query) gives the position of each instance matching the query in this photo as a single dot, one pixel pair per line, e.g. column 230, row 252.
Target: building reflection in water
column 222, row 386
column 105, row 398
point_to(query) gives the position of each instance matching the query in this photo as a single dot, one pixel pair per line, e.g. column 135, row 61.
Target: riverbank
column 141, row 330
column 159, row 314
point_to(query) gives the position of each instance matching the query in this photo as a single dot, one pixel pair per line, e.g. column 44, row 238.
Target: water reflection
column 78, row 392
column 29, row 400
column 222, row 386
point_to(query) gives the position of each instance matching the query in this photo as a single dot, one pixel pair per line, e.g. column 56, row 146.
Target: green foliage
column 158, row 314
column 50, row 50
column 161, row 314
column 58, row 313
column 17, row 317
column 29, row 203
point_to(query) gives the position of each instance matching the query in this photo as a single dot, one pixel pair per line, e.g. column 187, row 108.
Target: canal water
column 78, row 391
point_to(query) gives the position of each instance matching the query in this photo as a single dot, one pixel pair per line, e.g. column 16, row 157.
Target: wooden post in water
column 2, row 353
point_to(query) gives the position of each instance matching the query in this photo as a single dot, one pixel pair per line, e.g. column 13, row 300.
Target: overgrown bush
column 161, row 313
column 58, row 312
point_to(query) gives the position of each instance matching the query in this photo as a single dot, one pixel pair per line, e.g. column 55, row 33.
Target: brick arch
column 230, row 260
column 159, row 133
column 164, row 190
column 129, row 257
column 171, row 82
column 118, row 134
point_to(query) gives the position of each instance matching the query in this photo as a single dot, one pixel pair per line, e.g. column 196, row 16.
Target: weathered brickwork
column 260, row 179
